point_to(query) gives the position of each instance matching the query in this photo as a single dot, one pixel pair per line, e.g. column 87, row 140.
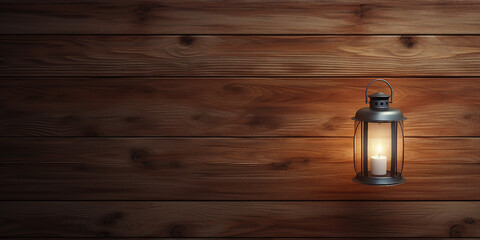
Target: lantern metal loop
column 383, row 80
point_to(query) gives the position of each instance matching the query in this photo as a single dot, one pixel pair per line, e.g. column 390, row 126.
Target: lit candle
column 379, row 162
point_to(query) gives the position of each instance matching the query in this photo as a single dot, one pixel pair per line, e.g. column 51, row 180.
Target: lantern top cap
column 371, row 115
column 379, row 95
column 379, row 110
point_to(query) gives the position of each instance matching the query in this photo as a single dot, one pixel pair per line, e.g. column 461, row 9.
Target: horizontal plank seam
column 239, row 238
column 247, row 34
column 230, row 200
column 219, row 76
column 258, row 137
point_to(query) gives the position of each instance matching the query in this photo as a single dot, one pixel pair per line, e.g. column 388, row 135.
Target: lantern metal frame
column 379, row 112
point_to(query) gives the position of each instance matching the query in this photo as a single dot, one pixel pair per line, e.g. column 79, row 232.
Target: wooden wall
column 219, row 119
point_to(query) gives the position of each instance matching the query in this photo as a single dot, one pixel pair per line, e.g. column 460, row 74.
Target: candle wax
column 379, row 165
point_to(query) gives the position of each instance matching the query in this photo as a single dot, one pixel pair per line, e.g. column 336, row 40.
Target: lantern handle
column 391, row 90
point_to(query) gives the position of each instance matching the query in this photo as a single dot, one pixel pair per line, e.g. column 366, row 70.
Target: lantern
column 378, row 141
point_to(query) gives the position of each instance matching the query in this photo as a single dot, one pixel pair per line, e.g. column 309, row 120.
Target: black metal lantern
column 378, row 141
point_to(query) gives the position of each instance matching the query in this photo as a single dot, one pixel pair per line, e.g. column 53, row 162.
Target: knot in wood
column 186, row 40
column 362, row 10
column 408, row 41
column 178, row 231
column 281, row 165
column 138, row 155
column 112, row 218
column 235, row 88
column 469, row 221
column 142, row 11
column 455, row 231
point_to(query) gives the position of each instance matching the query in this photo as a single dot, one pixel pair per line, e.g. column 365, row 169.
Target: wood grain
column 193, row 118
column 227, row 169
column 240, row 56
column 239, row 17
column 253, row 238
column 240, row 219
column 228, row 106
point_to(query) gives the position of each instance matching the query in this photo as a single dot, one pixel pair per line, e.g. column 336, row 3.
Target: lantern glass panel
column 400, row 151
column 380, row 145
column 379, row 148
column 357, row 144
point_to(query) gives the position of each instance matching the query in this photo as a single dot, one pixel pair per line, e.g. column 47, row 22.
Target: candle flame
column 379, row 149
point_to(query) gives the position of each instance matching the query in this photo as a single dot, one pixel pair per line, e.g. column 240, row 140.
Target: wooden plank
column 240, row 56
column 228, row 106
column 227, row 169
column 239, row 17
column 262, row 238
column 240, row 219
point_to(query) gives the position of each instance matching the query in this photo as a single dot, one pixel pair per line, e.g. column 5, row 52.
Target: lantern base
column 379, row 181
